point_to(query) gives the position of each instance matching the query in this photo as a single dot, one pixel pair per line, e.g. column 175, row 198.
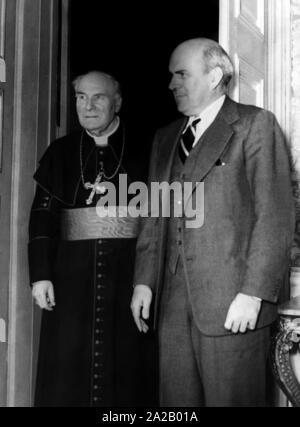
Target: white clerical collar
column 103, row 140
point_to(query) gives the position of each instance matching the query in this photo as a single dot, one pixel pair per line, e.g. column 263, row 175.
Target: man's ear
column 118, row 103
column 216, row 77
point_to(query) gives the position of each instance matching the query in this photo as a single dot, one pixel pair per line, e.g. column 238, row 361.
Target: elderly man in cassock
column 81, row 264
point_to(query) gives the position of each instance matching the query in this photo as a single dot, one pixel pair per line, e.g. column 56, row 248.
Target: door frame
column 34, row 125
column 279, row 71
column 278, row 56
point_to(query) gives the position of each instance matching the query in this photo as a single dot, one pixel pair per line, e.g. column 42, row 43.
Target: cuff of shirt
column 255, row 298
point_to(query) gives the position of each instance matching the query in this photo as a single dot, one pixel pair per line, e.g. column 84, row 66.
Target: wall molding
column 295, row 83
column 33, row 124
column 279, row 63
column 295, row 132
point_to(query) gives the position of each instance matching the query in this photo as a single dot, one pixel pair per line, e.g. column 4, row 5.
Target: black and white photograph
column 149, row 206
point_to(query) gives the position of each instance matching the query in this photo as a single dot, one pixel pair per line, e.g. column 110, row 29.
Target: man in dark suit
column 216, row 283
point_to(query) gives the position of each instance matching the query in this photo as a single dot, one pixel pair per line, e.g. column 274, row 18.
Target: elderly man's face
column 190, row 84
column 96, row 102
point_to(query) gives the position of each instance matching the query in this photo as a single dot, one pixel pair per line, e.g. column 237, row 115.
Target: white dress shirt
column 207, row 117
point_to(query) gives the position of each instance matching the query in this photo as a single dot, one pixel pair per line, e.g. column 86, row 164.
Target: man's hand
column 43, row 294
column 140, row 306
column 243, row 313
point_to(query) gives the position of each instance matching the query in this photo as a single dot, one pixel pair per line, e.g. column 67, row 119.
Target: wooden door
column 29, row 90
column 7, row 44
column 243, row 34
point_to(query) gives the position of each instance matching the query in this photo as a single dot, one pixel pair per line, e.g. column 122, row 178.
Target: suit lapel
column 207, row 153
column 213, row 143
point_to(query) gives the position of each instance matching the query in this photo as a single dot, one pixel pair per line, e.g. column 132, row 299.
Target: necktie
column 187, row 140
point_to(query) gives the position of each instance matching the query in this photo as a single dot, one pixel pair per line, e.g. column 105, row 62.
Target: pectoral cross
column 96, row 188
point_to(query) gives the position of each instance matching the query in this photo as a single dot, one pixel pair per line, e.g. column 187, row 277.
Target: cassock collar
column 102, row 141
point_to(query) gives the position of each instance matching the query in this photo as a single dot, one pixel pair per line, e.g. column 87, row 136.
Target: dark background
column 133, row 41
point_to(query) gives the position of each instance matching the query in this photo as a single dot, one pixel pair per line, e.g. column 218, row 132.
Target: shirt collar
column 209, row 113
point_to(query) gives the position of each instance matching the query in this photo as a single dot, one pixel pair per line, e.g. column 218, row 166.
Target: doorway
column 134, row 43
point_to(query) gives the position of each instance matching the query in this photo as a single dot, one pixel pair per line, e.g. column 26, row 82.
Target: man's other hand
column 243, row 313
column 140, row 306
column 43, row 294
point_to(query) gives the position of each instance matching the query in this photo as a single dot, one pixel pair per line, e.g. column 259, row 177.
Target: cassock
column 90, row 353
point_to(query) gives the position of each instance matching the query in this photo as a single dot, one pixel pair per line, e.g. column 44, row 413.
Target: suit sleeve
column 268, row 170
column 147, row 244
column 43, row 233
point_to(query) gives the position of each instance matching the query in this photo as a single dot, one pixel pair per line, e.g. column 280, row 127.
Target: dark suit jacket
column 244, row 243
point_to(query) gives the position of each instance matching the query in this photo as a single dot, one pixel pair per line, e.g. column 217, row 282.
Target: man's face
column 190, row 84
column 96, row 102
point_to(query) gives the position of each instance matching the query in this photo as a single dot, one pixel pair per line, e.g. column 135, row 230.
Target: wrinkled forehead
column 95, row 84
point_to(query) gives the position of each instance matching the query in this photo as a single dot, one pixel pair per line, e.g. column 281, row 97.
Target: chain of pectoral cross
column 97, row 188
